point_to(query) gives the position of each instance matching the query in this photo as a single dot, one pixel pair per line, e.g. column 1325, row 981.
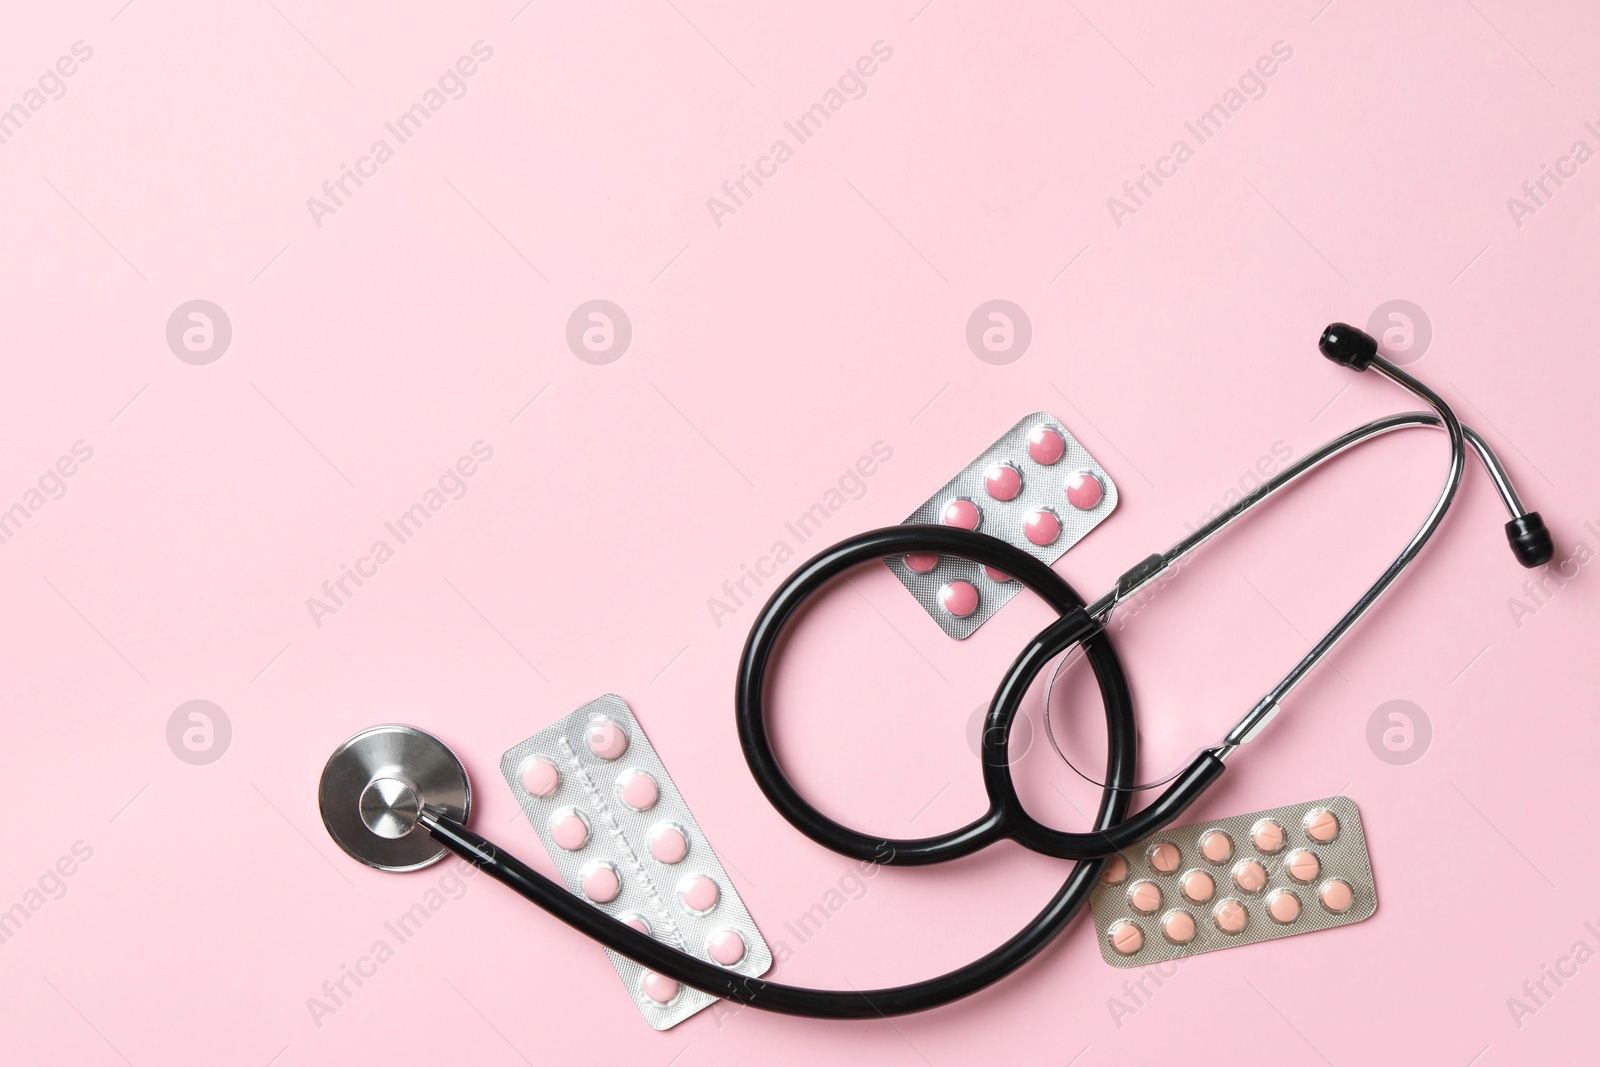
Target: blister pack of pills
column 624, row 840
column 1036, row 488
column 1236, row 881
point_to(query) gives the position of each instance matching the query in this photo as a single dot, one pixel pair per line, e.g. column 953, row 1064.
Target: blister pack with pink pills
column 1036, row 488
column 1236, row 881
column 624, row 840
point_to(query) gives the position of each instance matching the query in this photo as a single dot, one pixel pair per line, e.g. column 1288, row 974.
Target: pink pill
column 658, row 987
column 639, row 790
column 1216, row 846
column 699, row 893
column 540, row 777
column 1283, row 906
column 1322, row 826
column 1165, row 857
column 637, row 921
column 1046, row 446
column 1302, row 865
column 667, row 843
column 963, row 513
column 1198, row 886
column 1144, row 897
column 726, row 947
column 1230, row 916
column 922, row 562
column 1249, row 876
column 1336, row 895
column 1178, row 927
column 1115, row 871
column 996, row 576
column 1042, row 527
column 959, row 598
column 1126, row 938
column 1003, row 481
column 1267, row 835
column 607, row 740
column 601, row 884
column 1084, row 491
column 569, row 830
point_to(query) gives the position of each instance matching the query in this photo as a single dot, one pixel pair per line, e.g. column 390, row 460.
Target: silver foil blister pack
column 1235, row 881
column 624, row 840
column 1036, row 488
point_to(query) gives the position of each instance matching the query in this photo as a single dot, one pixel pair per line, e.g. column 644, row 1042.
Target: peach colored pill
column 601, row 884
column 1115, row 872
column 1216, row 846
column 1198, row 886
column 1322, row 826
column 607, row 740
column 1336, row 895
column 1042, row 527
column 636, row 921
column 922, row 562
column 1249, row 876
column 726, row 947
column 1267, row 835
column 996, row 576
column 1165, row 857
column 1084, row 491
column 1045, row 445
column 569, row 830
column 699, row 893
column 540, row 777
column 667, row 843
column 1230, row 916
column 1144, row 897
column 959, row 598
column 1283, row 906
column 1126, row 938
column 1178, row 927
column 1002, row 481
column 1302, row 865
column 658, row 987
column 639, row 790
column 963, row 513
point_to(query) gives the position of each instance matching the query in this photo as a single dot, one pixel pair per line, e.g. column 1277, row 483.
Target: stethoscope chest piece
column 375, row 787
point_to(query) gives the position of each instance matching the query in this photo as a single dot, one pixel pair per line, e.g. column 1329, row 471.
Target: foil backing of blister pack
column 620, row 835
column 1345, row 859
column 1043, row 486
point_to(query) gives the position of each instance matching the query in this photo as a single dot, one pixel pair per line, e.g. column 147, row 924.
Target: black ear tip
column 1348, row 346
column 1530, row 541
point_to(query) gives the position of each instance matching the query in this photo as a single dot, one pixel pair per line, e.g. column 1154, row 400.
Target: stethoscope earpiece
column 1348, row 346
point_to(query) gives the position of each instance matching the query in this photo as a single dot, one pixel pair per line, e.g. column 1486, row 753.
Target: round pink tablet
column 540, row 777
column 1216, row 846
column 1084, row 491
column 996, row 576
column 1126, row 938
column 1042, row 527
column 1267, row 835
column 1144, row 897
column 1003, row 481
column 959, row 598
column 607, row 740
column 1250, row 876
column 636, row 921
column 1336, row 895
column 1302, row 865
column 726, row 947
column 667, row 843
column 639, row 790
column 1165, row 857
column 1045, row 445
column 658, row 987
column 699, row 893
column 601, row 884
column 1230, row 916
column 569, row 830
column 963, row 513
column 1178, row 927
column 1198, row 886
column 1283, row 906
column 922, row 562
column 1115, row 871
column 1322, row 826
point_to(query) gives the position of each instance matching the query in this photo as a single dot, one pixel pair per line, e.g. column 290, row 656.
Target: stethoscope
column 396, row 798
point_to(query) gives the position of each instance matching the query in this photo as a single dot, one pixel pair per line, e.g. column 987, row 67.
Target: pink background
column 768, row 354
